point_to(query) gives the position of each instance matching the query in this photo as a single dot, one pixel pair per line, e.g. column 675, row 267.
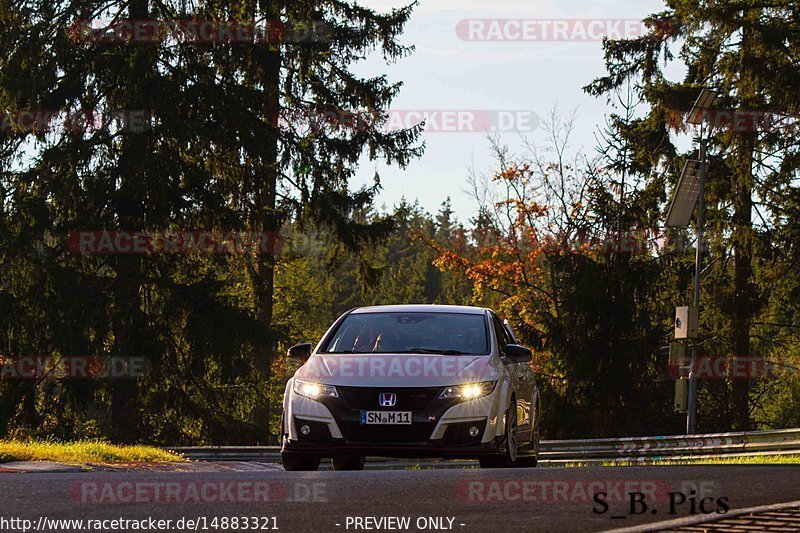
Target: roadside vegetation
column 82, row 452
column 749, row 460
column 789, row 459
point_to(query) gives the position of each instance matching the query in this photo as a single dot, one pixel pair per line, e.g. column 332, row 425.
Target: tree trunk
column 129, row 326
column 267, row 219
column 742, row 234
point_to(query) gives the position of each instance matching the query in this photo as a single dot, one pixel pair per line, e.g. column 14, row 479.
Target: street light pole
column 691, row 188
column 691, row 415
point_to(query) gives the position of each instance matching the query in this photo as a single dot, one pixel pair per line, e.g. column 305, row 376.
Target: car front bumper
column 439, row 428
column 411, row 451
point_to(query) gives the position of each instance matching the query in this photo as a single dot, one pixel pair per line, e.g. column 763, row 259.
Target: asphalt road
column 541, row 499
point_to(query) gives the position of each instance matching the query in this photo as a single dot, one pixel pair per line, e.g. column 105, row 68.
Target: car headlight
column 469, row 391
column 314, row 391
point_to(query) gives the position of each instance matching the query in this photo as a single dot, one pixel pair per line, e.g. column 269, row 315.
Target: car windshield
column 427, row 332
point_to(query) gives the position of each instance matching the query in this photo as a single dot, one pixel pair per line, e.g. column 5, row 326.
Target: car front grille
column 417, row 432
column 423, row 402
column 410, row 399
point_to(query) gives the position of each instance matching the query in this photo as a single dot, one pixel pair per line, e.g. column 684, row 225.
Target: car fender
column 296, row 405
column 286, row 399
column 504, row 400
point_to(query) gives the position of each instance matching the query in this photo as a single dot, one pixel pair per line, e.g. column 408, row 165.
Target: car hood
column 397, row 370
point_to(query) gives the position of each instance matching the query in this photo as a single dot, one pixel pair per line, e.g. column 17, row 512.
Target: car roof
column 421, row 308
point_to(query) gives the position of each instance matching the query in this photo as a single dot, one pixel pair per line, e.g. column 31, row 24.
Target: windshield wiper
column 441, row 352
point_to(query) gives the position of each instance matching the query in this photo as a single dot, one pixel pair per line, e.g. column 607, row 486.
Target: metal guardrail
column 627, row 449
column 230, row 453
column 655, row 448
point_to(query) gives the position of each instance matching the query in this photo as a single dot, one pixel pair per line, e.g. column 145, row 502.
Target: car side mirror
column 518, row 354
column 300, row 352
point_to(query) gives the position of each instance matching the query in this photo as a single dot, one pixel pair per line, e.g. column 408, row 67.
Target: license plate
column 385, row 417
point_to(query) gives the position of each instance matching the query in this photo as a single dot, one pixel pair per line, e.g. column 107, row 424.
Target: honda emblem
column 387, row 399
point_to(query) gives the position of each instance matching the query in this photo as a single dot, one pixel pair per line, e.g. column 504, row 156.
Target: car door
column 522, row 379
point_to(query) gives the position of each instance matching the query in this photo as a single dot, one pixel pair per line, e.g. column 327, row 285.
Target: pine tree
column 748, row 51
column 223, row 149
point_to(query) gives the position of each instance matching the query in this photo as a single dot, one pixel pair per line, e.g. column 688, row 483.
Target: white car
column 412, row 381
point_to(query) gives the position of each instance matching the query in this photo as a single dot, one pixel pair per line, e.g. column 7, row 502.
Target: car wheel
column 533, row 460
column 348, row 462
column 299, row 463
column 509, row 458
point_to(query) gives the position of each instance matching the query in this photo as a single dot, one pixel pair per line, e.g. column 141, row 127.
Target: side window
column 500, row 333
column 511, row 337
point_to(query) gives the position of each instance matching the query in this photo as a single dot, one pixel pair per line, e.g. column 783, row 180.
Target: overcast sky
column 448, row 71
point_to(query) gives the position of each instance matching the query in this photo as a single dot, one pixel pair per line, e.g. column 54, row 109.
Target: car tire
column 509, row 458
column 348, row 462
column 531, row 461
column 299, row 463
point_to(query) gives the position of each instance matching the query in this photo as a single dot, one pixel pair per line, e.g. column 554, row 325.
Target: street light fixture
column 691, row 188
column 704, row 102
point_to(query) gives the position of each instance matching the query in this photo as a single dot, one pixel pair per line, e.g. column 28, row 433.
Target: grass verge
column 788, row 459
column 81, row 452
column 742, row 460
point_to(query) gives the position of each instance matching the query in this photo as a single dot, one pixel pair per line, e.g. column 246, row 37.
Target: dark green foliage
column 748, row 51
column 214, row 157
